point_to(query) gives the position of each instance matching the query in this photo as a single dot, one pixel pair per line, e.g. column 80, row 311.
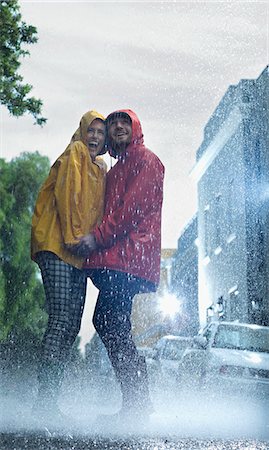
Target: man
column 124, row 253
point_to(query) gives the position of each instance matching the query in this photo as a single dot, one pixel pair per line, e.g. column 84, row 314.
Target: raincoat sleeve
column 68, row 195
column 143, row 196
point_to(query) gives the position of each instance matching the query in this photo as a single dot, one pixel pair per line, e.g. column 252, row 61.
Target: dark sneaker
column 131, row 419
column 51, row 417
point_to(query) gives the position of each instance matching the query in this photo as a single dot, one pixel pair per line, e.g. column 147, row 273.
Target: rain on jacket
column 71, row 200
column 129, row 237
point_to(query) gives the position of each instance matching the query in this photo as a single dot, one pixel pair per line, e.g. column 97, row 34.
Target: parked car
column 228, row 356
column 146, row 352
column 163, row 364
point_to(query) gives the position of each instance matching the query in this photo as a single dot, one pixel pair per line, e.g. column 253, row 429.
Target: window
column 230, row 208
column 218, row 219
column 207, row 230
column 242, row 338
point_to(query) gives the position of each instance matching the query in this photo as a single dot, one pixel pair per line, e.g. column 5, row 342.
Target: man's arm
column 143, row 196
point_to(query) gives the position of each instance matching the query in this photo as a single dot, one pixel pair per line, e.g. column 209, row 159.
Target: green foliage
column 21, row 291
column 14, row 34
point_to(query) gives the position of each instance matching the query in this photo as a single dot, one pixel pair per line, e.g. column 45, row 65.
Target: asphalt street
column 190, row 422
column 27, row 441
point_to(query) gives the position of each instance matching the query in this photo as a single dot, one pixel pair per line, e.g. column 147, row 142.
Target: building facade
column 232, row 175
column 184, row 277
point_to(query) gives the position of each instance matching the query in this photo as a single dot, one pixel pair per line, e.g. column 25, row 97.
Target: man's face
column 120, row 132
column 95, row 137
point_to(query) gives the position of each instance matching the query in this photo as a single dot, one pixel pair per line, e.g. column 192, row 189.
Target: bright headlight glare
column 169, row 305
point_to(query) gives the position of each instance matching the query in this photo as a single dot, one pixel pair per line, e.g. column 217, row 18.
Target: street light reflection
column 170, row 305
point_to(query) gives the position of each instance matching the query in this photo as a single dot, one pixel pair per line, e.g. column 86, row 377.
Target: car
column 228, row 356
column 146, row 352
column 163, row 364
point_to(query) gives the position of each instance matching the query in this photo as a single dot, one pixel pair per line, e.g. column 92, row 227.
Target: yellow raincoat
column 71, row 201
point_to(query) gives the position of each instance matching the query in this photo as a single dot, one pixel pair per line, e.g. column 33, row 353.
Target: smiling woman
column 70, row 203
column 96, row 138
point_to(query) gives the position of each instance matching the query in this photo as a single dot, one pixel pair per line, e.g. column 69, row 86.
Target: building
column 232, row 175
column 184, row 276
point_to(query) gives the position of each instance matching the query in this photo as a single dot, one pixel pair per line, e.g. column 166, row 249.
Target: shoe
column 130, row 418
column 50, row 417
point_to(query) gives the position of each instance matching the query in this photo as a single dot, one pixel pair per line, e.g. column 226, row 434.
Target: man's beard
column 120, row 147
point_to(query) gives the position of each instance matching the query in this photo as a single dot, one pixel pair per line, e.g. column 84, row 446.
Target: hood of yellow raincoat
column 137, row 134
column 87, row 118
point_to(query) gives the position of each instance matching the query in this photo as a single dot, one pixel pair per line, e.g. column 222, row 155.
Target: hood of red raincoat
column 137, row 134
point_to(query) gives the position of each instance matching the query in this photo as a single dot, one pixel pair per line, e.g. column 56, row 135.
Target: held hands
column 84, row 247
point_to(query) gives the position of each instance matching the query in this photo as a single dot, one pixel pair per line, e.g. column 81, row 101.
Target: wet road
column 194, row 422
column 18, row 441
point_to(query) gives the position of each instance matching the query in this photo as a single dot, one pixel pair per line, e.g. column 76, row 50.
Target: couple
column 108, row 228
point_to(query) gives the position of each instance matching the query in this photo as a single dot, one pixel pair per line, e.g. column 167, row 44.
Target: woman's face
column 95, row 137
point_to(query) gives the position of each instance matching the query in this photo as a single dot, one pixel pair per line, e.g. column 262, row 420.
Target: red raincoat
column 129, row 237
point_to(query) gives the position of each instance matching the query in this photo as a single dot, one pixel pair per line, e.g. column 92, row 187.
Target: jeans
column 112, row 321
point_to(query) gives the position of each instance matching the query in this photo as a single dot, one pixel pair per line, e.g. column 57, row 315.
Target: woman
column 69, row 205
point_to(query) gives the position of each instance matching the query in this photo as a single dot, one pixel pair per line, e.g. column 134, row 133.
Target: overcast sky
column 171, row 62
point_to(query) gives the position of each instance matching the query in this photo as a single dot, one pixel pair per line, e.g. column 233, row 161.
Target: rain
column 196, row 74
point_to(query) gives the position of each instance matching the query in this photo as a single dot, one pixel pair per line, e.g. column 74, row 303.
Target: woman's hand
column 84, row 247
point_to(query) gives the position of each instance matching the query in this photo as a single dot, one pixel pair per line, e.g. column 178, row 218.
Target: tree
column 14, row 34
column 21, row 291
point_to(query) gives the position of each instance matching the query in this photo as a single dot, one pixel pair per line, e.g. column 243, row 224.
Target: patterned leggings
column 65, row 290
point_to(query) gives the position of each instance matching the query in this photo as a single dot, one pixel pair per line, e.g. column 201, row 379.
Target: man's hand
column 84, row 247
